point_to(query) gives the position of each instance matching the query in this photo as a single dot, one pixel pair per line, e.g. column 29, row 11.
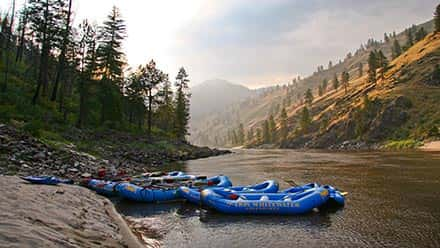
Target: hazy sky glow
column 252, row 42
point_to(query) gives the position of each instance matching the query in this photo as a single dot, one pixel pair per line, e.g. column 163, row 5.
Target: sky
column 251, row 42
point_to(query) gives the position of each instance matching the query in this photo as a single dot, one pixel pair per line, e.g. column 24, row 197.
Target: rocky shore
column 22, row 154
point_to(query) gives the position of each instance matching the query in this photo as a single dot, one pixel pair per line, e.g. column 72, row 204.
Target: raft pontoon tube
column 48, row 180
column 161, row 193
column 336, row 198
column 193, row 194
column 274, row 204
column 107, row 188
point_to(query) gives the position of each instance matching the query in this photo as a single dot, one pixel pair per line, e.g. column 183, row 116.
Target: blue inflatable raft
column 336, row 198
column 193, row 194
column 48, row 180
column 106, row 188
column 276, row 203
column 160, row 193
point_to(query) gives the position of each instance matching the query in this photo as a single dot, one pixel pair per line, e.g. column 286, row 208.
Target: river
column 393, row 201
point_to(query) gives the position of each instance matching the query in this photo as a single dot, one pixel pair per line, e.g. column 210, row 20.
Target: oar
column 344, row 193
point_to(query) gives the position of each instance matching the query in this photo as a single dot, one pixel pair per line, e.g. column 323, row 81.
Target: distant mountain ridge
column 214, row 95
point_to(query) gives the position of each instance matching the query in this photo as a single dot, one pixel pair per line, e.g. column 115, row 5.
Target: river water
column 393, row 201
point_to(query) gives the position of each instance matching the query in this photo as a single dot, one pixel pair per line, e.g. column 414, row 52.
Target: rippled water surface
column 393, row 201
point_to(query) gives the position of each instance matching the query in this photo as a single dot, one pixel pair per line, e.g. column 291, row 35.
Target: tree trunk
column 19, row 54
column 44, row 59
column 150, row 103
column 8, row 41
column 62, row 60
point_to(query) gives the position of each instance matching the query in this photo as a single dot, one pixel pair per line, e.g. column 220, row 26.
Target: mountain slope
column 251, row 113
column 402, row 106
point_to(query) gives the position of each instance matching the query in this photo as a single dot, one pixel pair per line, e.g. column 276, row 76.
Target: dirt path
column 58, row 216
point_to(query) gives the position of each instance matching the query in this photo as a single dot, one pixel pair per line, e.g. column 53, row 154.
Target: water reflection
column 393, row 201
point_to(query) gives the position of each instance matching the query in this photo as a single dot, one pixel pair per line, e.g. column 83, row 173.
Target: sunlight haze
column 252, row 42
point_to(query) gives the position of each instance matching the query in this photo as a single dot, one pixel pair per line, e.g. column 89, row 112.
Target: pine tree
column 386, row 38
column 396, row 50
column 308, row 97
column 305, row 120
column 165, row 110
column 65, row 40
column 437, row 18
column 87, row 45
column 44, row 19
column 409, row 38
column 283, row 125
column 250, row 135
column 361, row 69
column 345, row 80
column 240, row 134
column 372, row 67
column 24, row 19
column 182, row 104
column 382, row 63
column 272, row 129
column 324, row 85
column 259, row 135
column 330, row 64
column 421, row 34
column 110, row 58
column 320, row 90
column 9, row 37
column 335, row 82
column 266, row 132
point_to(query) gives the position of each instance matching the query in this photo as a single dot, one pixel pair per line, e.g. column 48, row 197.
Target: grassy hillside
column 400, row 110
column 254, row 111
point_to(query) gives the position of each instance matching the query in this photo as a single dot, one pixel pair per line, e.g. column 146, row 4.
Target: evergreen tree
column 324, row 85
column 87, row 45
column 283, row 125
column 266, row 132
column 165, row 110
column 259, row 135
column 250, row 135
column 396, row 50
column 305, row 120
column 272, row 129
column 182, row 104
column 345, row 80
column 335, row 82
column 372, row 67
column 308, row 97
column 361, row 69
column 330, row 64
column 24, row 19
column 66, row 39
column 386, row 38
column 409, row 38
column 8, row 38
column 240, row 134
column 320, row 90
column 44, row 19
column 110, row 58
column 421, row 34
column 382, row 63
column 437, row 18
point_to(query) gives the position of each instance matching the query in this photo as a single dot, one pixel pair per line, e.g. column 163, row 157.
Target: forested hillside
column 55, row 75
column 274, row 116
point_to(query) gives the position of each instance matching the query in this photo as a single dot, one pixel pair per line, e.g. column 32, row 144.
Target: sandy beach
column 433, row 146
column 58, row 216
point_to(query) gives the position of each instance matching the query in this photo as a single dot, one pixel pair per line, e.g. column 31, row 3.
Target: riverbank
column 433, row 146
column 58, row 216
column 82, row 152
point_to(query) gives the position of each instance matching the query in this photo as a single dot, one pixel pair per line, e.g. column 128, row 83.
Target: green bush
column 33, row 127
